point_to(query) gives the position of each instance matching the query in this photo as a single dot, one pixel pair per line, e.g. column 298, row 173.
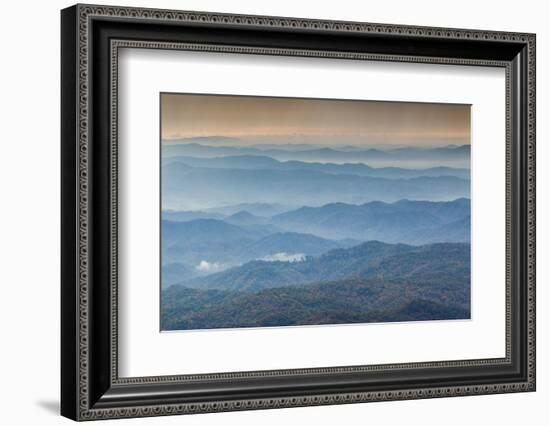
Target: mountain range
column 260, row 162
column 296, row 234
column 457, row 156
column 241, row 237
column 413, row 222
column 370, row 259
column 185, row 187
column 372, row 282
column 207, row 245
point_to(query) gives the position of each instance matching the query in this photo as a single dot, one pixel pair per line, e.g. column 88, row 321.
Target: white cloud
column 284, row 257
column 205, row 266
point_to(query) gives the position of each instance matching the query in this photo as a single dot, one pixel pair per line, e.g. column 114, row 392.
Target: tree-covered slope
column 370, row 259
column 354, row 300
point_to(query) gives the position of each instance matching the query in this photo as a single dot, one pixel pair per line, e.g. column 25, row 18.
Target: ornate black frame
column 91, row 37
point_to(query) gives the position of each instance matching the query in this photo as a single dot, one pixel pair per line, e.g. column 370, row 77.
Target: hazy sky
column 255, row 119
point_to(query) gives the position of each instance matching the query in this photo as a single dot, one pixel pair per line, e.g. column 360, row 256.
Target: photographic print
column 293, row 211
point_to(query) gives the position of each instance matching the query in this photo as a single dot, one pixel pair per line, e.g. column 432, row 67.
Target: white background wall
column 29, row 225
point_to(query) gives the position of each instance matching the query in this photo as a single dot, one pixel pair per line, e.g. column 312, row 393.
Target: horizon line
column 183, row 141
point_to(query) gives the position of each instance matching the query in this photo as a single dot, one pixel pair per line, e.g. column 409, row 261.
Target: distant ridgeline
column 450, row 155
column 201, row 175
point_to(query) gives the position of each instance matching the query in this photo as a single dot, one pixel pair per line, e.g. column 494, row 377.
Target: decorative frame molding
column 91, row 388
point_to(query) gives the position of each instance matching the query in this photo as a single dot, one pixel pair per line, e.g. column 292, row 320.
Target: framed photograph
column 263, row 212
